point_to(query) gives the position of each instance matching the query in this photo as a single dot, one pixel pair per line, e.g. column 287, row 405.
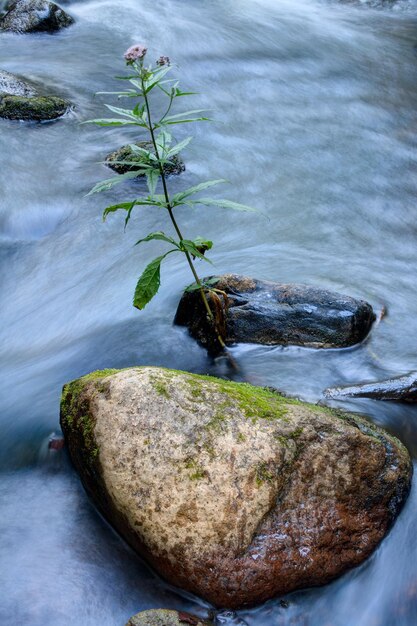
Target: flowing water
column 315, row 103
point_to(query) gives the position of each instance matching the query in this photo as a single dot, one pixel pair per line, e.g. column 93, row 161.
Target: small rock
column 274, row 313
column 29, row 16
column 36, row 108
column 401, row 389
column 230, row 491
column 163, row 617
column 19, row 100
column 126, row 153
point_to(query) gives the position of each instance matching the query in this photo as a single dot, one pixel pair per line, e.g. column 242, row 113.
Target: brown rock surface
column 230, row 491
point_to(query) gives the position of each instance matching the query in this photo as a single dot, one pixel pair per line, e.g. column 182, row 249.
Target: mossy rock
column 117, row 160
column 233, row 492
column 37, row 108
column 164, row 617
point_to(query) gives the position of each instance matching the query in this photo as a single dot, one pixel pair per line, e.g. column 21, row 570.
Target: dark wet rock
column 163, row 617
column 115, row 160
column 401, row 389
column 29, row 16
column 232, row 492
column 15, row 86
column 274, row 313
column 36, row 108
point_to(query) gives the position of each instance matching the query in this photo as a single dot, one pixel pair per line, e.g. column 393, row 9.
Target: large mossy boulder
column 126, row 159
column 233, row 492
column 164, row 617
column 20, row 100
column 259, row 311
column 29, row 16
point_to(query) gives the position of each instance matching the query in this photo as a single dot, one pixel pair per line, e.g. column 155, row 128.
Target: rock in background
column 29, row 16
column 232, row 492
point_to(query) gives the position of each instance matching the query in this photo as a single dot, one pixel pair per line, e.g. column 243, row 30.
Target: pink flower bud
column 134, row 53
column 163, row 61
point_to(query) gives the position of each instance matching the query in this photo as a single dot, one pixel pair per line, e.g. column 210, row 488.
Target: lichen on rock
column 230, row 491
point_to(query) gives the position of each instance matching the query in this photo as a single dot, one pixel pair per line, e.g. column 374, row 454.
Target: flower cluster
column 134, row 53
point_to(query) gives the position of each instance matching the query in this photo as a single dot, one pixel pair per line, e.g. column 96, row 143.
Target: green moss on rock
column 36, row 108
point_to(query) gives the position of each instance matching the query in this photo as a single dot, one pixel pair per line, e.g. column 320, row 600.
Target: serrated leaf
column 190, row 247
column 125, row 206
column 152, row 176
column 186, row 121
column 111, row 122
column 227, row 204
column 109, row 183
column 159, row 235
column 179, row 146
column 184, row 114
column 179, row 197
column 149, row 282
column 119, row 111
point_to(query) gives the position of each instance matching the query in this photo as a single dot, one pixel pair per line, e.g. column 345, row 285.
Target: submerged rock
column 163, row 617
column 21, row 101
column 28, row 16
column 116, row 160
column 230, row 491
column 402, row 389
column 273, row 313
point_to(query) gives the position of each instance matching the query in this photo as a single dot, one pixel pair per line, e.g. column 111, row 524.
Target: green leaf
column 203, row 244
column 179, row 197
column 190, row 247
column 185, row 113
column 226, row 204
column 124, row 112
column 112, row 122
column 179, row 146
column 125, row 206
column 149, row 282
column 187, row 121
column 159, row 235
column 152, row 176
column 107, row 184
column 208, row 282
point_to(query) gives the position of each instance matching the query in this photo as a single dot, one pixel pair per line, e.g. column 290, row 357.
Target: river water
column 315, row 103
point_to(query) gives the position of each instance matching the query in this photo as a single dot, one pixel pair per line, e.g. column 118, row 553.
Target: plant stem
column 174, row 222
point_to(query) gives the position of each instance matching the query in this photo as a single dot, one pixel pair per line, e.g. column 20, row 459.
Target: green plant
column 153, row 164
